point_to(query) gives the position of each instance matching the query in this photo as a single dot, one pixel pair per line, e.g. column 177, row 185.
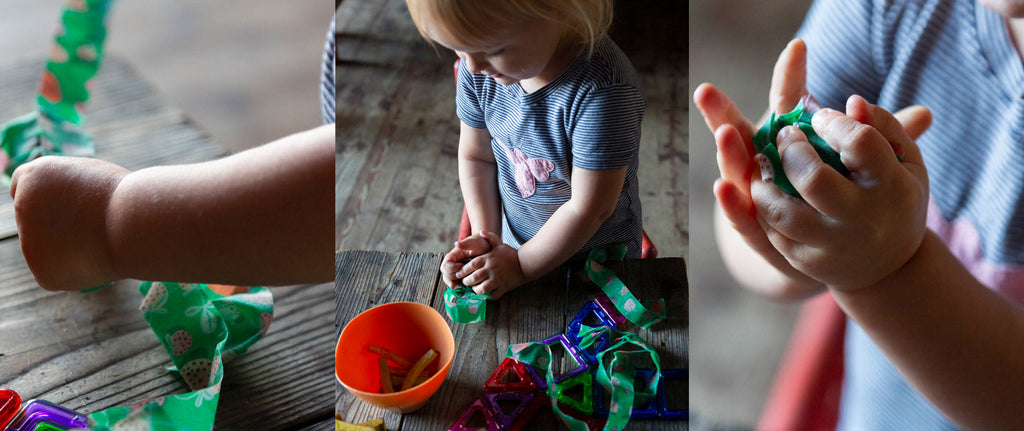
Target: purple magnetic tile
column 576, row 356
column 494, row 398
column 38, row 412
column 609, row 309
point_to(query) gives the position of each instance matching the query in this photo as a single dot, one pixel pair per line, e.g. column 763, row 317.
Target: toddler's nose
column 473, row 62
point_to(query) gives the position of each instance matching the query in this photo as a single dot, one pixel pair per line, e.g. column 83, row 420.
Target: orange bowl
column 406, row 328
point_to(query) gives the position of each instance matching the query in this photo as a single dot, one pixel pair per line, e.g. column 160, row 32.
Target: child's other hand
column 60, row 205
column 849, row 232
column 495, row 272
column 466, row 249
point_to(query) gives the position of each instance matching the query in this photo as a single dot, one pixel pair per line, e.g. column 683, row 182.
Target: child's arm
column 263, row 216
column 594, row 197
column 478, row 178
column 955, row 341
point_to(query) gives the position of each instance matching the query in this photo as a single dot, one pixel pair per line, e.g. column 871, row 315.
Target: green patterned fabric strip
column 616, row 372
column 55, row 127
column 641, row 315
column 464, row 306
column 200, row 330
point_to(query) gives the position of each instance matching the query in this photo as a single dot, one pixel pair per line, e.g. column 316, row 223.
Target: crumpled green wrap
column 616, row 372
column 200, row 329
column 55, row 126
column 465, row 306
column 800, row 116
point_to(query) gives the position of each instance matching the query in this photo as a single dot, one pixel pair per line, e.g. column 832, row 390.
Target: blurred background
column 246, row 71
column 738, row 337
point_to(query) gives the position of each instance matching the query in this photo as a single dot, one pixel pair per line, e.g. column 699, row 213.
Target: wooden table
column 92, row 351
column 530, row 313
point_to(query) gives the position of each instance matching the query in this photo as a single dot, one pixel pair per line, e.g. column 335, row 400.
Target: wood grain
column 94, row 351
column 532, row 312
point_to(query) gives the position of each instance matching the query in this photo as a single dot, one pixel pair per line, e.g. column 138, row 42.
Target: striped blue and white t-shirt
column 955, row 57
column 327, row 77
column 589, row 117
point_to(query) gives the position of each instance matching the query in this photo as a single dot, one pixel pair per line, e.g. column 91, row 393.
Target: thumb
column 492, row 238
column 789, row 78
column 915, row 120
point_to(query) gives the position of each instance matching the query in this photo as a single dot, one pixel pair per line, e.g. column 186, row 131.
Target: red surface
column 406, row 328
column 808, row 385
column 10, row 404
column 523, row 382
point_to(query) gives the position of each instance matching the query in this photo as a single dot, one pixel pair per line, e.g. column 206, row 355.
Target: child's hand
column 466, row 249
column 733, row 134
column 847, row 232
column 60, row 205
column 495, row 272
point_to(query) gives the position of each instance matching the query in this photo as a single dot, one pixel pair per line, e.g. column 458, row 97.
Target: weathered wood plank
column 397, row 133
column 94, row 351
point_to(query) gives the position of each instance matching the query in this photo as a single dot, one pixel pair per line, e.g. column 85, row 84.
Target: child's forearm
column 574, row 223
column 479, row 184
column 955, row 340
column 263, row 216
column 478, row 178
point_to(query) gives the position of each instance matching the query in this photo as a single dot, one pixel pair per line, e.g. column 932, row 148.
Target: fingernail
column 797, row 158
column 786, row 135
column 767, row 171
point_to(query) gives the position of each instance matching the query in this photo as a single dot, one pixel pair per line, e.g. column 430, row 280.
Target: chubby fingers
column 820, row 185
column 915, row 119
column 733, row 155
column 899, row 132
column 717, row 110
column 468, row 271
column 861, row 147
column 787, row 219
column 789, row 78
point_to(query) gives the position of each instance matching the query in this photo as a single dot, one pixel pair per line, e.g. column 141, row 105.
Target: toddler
column 550, row 112
column 927, row 265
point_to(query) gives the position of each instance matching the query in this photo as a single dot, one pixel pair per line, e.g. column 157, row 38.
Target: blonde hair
column 471, row 22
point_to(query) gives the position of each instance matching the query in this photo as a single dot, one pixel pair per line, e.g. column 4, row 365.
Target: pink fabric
column 965, row 243
column 528, row 171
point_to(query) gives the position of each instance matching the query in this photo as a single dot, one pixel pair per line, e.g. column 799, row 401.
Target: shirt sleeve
column 844, row 56
column 606, row 133
column 467, row 104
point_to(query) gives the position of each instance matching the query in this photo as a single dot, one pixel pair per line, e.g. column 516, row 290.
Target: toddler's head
column 507, row 39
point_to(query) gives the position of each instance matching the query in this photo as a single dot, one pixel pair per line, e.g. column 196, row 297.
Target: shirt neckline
column 542, row 92
column 999, row 51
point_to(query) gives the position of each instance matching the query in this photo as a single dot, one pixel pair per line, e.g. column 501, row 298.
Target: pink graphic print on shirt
column 528, row 171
